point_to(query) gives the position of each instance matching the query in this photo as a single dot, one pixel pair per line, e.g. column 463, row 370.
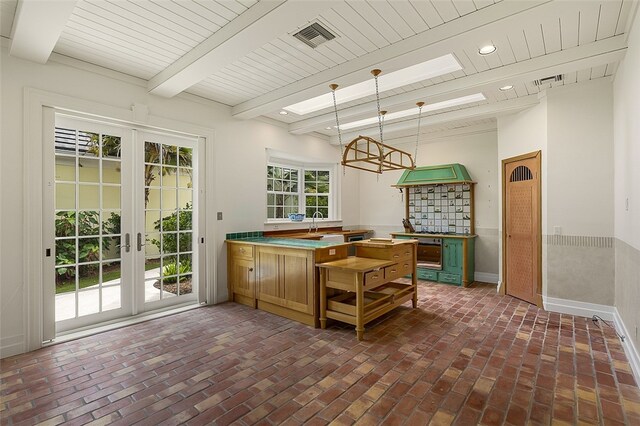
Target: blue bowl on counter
column 296, row 217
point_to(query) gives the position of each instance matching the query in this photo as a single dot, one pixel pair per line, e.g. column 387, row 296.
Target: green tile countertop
column 287, row 242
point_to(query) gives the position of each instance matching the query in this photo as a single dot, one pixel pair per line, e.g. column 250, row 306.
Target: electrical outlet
column 557, row 230
column 276, row 227
column 626, row 204
column 332, row 252
column 219, row 215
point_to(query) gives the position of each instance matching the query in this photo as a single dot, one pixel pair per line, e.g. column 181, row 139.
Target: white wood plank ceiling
column 160, row 40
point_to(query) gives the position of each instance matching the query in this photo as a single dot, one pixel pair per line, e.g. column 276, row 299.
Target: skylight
column 414, row 111
column 413, row 74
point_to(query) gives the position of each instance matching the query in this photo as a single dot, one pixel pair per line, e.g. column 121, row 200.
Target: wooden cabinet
column 285, row 280
column 366, row 283
column 241, row 274
column 278, row 279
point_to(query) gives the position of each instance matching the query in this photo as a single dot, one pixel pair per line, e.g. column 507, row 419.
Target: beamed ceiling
column 242, row 53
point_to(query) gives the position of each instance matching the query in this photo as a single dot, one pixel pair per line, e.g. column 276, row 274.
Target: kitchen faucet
column 313, row 221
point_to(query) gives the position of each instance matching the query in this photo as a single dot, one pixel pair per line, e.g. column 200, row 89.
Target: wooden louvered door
column 522, row 228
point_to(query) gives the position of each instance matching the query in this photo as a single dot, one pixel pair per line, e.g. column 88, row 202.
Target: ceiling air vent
column 314, row 35
column 548, row 80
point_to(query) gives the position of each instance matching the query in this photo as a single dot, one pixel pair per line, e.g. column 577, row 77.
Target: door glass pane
column 89, row 223
column 185, row 179
column 110, row 171
column 111, row 197
column 65, row 169
column 65, row 224
column 89, row 197
column 88, row 302
column 111, row 146
column 111, row 222
column 89, row 170
column 111, row 298
column 65, row 196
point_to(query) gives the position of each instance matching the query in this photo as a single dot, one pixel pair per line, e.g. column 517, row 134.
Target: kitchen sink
column 334, row 238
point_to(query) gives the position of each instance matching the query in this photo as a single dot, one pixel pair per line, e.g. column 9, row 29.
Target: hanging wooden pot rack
column 365, row 153
column 368, row 154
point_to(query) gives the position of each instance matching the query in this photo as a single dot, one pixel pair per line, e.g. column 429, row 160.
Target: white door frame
column 36, row 127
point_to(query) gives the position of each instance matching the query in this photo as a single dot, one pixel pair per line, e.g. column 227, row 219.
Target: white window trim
column 280, row 160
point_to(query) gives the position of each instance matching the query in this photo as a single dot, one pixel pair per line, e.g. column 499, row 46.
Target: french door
column 124, row 208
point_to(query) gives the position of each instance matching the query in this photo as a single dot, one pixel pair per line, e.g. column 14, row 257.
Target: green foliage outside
column 175, row 242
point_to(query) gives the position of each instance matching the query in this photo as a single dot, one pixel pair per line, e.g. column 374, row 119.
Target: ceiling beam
column 475, row 27
column 472, row 113
column 263, row 21
column 577, row 58
column 37, row 27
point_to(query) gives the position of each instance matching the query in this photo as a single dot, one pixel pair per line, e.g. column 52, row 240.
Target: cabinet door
column 242, row 277
column 452, row 255
column 267, row 275
column 296, row 280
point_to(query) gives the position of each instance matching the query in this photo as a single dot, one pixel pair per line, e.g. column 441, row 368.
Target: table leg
column 414, row 277
column 323, row 298
column 359, row 306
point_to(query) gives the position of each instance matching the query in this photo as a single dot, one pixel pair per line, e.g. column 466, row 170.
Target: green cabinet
column 452, row 255
column 458, row 260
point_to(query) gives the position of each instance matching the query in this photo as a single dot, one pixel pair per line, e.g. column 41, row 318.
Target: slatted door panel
column 522, row 229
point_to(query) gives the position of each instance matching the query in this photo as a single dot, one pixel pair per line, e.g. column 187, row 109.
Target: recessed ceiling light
column 414, row 111
column 487, row 50
column 507, row 87
column 283, row 113
column 413, row 74
column 328, row 128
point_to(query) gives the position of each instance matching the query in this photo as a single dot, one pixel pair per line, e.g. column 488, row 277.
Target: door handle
column 140, row 245
column 127, row 243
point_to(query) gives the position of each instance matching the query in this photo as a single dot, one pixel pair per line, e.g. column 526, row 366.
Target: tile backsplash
column 441, row 208
column 240, row 235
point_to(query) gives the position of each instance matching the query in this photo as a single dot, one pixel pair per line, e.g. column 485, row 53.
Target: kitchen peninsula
column 279, row 275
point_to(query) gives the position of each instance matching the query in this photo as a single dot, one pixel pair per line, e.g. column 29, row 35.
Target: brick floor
column 465, row 356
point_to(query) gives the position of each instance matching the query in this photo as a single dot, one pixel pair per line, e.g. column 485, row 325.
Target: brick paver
column 464, row 356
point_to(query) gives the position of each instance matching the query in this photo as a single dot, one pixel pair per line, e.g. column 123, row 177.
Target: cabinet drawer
column 398, row 270
column 396, row 253
column 373, row 278
column 427, row 274
column 446, row 277
column 402, row 253
column 243, row 251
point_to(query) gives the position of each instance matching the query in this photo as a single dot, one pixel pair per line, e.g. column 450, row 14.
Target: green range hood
column 433, row 175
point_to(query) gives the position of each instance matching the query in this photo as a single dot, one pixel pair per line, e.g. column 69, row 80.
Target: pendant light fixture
column 368, row 154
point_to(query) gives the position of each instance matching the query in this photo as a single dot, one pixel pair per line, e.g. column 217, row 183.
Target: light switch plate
column 219, row 215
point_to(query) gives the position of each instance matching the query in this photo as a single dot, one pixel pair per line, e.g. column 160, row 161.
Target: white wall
column 626, row 131
column 580, row 159
column 382, row 207
column 239, row 164
column 572, row 126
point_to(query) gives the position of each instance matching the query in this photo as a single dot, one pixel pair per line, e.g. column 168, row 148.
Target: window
column 298, row 189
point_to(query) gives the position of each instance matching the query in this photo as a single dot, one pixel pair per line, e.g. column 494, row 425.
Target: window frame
column 301, row 167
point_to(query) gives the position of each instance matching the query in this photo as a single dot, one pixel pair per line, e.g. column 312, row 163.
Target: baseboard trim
column 486, row 277
column 629, row 349
column 10, row 346
column 574, row 307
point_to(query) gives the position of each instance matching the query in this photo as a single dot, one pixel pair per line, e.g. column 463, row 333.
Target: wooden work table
column 364, row 286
